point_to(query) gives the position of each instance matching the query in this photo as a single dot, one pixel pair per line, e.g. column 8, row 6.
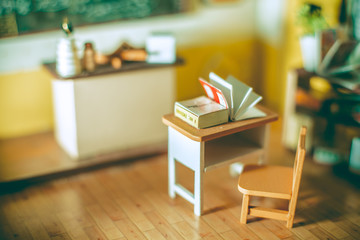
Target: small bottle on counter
column 89, row 58
column 67, row 61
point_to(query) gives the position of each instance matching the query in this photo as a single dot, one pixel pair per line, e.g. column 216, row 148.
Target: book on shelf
column 325, row 40
column 336, row 59
column 201, row 112
column 239, row 98
column 337, row 62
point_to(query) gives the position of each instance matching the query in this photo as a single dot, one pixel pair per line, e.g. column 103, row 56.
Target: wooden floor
column 38, row 157
column 129, row 200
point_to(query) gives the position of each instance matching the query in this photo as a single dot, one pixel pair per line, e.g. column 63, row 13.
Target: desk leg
column 198, row 182
column 191, row 154
column 172, row 175
column 171, row 164
column 198, row 193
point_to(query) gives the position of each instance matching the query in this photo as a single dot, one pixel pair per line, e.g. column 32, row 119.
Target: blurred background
column 257, row 41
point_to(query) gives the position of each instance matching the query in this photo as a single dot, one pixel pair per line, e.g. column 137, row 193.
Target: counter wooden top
column 108, row 69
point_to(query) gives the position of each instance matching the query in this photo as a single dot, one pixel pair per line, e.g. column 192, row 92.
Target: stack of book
column 227, row 100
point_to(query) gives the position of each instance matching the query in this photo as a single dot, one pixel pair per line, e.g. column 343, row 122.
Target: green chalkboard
column 41, row 15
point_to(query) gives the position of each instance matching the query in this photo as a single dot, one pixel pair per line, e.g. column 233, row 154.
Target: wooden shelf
column 322, row 112
column 229, row 149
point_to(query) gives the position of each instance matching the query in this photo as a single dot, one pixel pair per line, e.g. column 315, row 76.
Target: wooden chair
column 275, row 182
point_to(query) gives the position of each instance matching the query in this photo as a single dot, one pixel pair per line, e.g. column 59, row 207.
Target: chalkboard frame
column 47, row 15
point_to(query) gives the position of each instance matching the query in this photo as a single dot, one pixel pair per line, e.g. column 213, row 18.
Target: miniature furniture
column 111, row 111
column 274, row 182
column 205, row 149
column 328, row 107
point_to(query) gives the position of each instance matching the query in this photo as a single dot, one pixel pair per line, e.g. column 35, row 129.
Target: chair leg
column 292, row 207
column 290, row 221
column 244, row 209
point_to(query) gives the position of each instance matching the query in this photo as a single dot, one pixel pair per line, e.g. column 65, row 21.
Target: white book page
column 251, row 113
column 241, row 92
column 250, row 101
column 226, row 88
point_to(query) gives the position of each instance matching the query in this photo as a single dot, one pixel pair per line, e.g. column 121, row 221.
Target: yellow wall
column 230, row 58
column 26, row 100
column 25, row 103
column 267, row 69
column 276, row 62
column 330, row 10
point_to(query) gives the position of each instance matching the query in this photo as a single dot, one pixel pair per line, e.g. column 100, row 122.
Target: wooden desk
column 205, row 149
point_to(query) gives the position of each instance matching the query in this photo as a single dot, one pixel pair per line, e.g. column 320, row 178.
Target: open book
column 238, row 97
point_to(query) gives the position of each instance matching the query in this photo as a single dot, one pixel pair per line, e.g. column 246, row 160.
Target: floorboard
column 129, row 200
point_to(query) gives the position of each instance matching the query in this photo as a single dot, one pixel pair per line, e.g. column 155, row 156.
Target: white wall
column 269, row 21
column 207, row 24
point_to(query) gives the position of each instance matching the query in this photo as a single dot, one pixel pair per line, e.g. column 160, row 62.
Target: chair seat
column 266, row 181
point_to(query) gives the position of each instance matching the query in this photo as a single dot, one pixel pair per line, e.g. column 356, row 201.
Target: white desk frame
column 204, row 149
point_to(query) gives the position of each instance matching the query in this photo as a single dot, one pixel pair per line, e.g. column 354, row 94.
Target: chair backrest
column 298, row 167
column 299, row 159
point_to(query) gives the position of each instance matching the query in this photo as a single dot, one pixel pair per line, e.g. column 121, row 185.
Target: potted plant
column 311, row 20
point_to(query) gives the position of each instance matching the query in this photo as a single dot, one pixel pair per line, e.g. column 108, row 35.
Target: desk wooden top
column 206, row 134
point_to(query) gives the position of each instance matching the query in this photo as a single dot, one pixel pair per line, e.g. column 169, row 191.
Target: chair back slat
column 298, row 158
column 298, row 167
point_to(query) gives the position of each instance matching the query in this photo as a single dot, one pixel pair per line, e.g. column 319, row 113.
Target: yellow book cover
column 201, row 112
